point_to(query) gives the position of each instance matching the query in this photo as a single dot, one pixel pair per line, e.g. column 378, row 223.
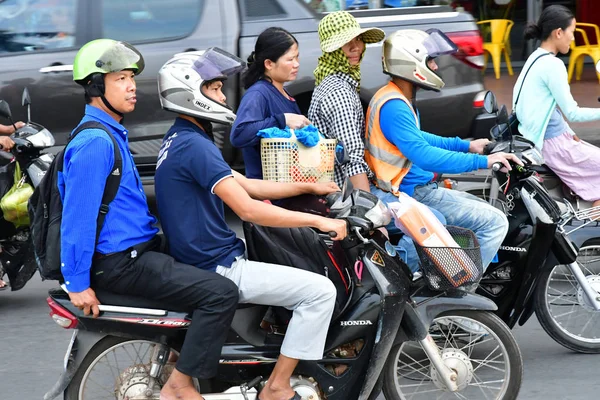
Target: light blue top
column 546, row 87
column 557, row 125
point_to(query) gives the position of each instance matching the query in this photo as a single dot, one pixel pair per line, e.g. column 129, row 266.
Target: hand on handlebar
column 337, row 228
column 9, row 129
column 503, row 159
column 6, row 143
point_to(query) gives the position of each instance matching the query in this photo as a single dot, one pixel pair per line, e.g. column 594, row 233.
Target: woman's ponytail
column 533, row 31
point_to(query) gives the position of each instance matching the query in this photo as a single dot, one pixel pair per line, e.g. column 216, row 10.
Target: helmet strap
column 111, row 108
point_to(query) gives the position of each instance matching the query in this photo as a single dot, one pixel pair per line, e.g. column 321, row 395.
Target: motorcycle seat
column 114, row 299
column 542, row 170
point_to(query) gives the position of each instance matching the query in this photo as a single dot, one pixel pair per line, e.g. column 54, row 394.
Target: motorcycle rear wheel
column 560, row 304
column 126, row 364
column 464, row 337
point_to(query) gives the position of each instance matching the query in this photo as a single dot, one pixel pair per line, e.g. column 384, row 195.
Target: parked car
column 39, row 39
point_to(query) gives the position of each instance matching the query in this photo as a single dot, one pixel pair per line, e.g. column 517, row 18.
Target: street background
column 32, row 346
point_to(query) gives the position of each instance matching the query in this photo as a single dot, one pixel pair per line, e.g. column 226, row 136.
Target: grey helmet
column 407, row 51
column 181, row 78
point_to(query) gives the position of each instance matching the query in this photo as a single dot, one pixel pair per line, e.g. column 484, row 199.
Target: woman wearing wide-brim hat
column 335, row 108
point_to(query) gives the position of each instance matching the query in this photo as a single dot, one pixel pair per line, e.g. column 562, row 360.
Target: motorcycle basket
column 452, row 268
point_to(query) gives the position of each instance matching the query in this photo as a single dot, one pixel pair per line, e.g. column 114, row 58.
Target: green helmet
column 105, row 56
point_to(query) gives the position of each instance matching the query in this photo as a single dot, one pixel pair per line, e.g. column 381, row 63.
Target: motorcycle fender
column 81, row 344
column 429, row 308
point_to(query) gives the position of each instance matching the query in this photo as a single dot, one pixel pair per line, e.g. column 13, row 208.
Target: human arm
column 6, row 143
column 399, row 127
column 252, row 117
column 82, row 195
column 558, row 83
column 9, row 129
column 265, row 190
column 258, row 212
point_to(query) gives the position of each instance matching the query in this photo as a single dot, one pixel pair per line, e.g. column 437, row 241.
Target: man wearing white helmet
column 191, row 175
column 404, row 158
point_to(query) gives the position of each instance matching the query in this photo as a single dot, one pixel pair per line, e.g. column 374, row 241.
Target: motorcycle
column 549, row 260
column 16, row 250
column 392, row 334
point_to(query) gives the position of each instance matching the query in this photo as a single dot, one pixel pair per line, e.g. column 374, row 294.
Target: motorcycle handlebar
column 497, row 166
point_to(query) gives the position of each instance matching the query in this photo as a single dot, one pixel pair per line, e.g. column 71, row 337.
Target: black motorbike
column 16, row 251
column 389, row 332
column 549, row 262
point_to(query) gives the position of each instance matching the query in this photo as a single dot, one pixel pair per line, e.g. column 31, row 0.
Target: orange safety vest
column 385, row 160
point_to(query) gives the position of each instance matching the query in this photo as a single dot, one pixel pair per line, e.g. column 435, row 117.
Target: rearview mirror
column 5, row 110
column 347, row 189
column 26, row 101
column 490, row 104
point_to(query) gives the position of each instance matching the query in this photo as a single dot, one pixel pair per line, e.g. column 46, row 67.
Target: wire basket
column 451, row 268
column 287, row 160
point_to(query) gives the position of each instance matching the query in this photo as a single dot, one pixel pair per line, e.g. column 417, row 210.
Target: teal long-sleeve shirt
column 428, row 153
column 546, row 86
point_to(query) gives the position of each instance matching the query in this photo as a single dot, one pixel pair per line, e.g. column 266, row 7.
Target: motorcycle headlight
column 379, row 215
column 534, row 156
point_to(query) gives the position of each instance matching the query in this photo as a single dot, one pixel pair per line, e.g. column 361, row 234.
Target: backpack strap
column 113, row 181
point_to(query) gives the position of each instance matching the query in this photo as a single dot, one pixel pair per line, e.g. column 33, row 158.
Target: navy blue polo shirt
column 189, row 167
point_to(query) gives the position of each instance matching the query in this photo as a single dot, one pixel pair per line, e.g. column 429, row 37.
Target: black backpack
column 301, row 248
column 45, row 208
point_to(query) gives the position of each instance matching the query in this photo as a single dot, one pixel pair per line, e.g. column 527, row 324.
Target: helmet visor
column 438, row 44
column 120, row 56
column 217, row 64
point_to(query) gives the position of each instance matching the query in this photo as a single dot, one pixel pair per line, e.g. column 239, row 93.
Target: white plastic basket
column 287, row 160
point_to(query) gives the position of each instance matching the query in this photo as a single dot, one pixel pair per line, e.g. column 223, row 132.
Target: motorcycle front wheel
column 562, row 307
column 475, row 344
column 117, row 368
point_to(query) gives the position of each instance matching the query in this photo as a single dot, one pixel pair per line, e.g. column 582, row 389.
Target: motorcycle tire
column 494, row 325
column 94, row 357
column 549, row 324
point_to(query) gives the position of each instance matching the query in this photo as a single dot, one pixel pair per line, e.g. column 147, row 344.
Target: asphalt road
column 33, row 346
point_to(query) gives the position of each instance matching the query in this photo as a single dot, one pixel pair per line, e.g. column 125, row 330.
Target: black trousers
column 144, row 272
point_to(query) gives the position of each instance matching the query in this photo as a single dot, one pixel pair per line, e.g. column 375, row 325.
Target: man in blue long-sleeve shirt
column 403, row 157
column 126, row 257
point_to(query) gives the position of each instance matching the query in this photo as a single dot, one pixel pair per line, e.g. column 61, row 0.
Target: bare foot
column 3, row 284
column 179, row 387
column 169, row 392
column 270, row 393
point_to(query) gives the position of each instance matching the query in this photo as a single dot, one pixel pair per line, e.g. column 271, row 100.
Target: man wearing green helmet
column 124, row 258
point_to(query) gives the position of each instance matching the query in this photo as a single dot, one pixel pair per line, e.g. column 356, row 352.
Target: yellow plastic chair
column 578, row 52
column 500, row 44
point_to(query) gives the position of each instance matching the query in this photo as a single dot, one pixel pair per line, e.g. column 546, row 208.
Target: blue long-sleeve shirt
column 88, row 160
column 262, row 106
column 429, row 153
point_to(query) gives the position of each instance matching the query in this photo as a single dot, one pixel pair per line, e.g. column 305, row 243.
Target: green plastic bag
column 14, row 202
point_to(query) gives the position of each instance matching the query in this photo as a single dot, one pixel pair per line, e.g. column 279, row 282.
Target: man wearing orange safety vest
column 403, row 157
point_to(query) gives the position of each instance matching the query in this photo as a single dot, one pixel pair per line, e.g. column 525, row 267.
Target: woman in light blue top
column 545, row 100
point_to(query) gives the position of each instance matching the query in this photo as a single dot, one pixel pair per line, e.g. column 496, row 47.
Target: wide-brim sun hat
column 340, row 27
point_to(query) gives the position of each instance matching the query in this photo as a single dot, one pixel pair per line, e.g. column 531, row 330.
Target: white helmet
column 406, row 52
column 180, row 83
